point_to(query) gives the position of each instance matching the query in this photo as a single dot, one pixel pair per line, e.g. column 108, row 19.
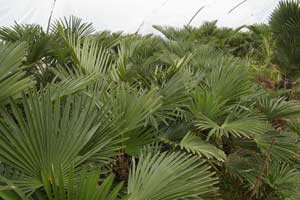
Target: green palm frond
column 188, row 33
column 284, row 148
column 107, row 39
column 206, row 58
column 87, row 56
column 294, row 125
column 229, row 82
column 137, row 59
column 275, row 108
column 38, row 45
column 69, row 86
column 191, row 143
column 174, row 132
column 72, row 25
column 19, row 32
column 283, row 179
column 194, row 144
column 83, row 187
column 180, row 65
column 9, row 191
column 12, row 78
column 132, row 105
column 244, row 165
column 236, row 124
column 167, row 176
column 139, row 138
column 47, row 133
column 124, row 116
column 169, row 32
column 175, row 97
column 285, row 24
column 205, row 102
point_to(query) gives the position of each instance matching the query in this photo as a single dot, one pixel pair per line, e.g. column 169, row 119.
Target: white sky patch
column 127, row 15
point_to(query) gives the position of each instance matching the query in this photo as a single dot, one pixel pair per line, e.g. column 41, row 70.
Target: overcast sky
column 127, row 15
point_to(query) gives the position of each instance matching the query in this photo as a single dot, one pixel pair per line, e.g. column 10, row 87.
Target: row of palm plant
column 89, row 115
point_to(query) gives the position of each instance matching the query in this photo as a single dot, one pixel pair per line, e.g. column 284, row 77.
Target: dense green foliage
column 285, row 23
column 201, row 113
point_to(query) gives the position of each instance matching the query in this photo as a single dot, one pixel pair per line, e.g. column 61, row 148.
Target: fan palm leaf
column 84, row 186
column 164, row 176
column 285, row 23
column 49, row 133
column 276, row 108
column 193, row 144
column 72, row 25
column 283, row 149
column 12, row 78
